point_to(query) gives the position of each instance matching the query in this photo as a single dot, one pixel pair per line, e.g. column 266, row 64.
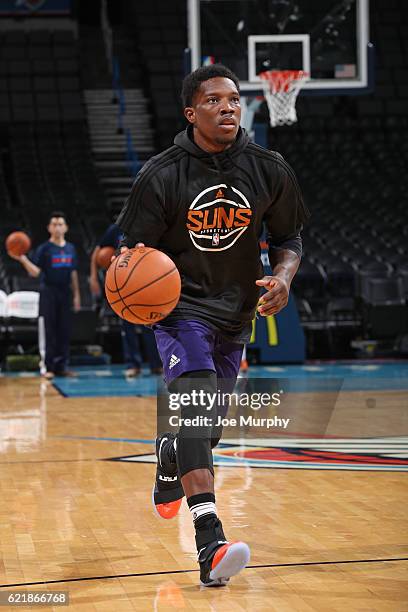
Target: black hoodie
column 206, row 211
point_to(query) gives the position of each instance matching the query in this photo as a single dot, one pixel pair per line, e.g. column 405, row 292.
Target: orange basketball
column 18, row 243
column 142, row 285
column 104, row 256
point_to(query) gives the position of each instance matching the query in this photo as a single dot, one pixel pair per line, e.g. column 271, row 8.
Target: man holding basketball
column 204, row 202
column 55, row 262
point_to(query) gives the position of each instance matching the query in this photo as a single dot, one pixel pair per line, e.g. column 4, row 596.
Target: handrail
column 118, row 93
column 107, row 35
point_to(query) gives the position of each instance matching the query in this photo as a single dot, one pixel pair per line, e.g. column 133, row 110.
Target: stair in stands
column 109, row 143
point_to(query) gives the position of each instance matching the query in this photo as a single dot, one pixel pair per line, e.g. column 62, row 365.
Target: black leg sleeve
column 194, row 442
column 224, row 386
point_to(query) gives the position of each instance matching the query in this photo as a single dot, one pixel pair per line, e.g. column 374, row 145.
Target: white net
column 281, row 88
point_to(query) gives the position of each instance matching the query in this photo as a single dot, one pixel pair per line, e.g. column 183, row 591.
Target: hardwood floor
column 70, row 520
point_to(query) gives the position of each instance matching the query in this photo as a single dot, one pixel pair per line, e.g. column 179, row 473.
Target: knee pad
column 193, row 450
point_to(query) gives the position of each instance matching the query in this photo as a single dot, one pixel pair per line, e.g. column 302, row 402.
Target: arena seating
column 47, row 147
column 39, row 75
column 350, row 155
column 162, row 38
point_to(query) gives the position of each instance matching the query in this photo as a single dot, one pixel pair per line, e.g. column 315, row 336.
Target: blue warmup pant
column 54, row 328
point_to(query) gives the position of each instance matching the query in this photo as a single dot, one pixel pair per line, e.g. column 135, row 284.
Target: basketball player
column 204, row 201
column 130, row 333
column 55, row 262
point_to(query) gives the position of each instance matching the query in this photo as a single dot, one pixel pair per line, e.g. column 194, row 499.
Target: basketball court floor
column 324, row 512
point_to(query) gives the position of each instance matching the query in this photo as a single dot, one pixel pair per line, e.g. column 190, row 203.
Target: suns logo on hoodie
column 217, row 218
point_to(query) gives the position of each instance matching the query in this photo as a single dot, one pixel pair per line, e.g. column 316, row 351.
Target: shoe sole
column 234, row 560
column 157, row 513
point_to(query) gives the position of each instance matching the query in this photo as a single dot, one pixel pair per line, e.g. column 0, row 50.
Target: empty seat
column 68, row 83
column 45, row 67
column 390, row 256
column 309, row 281
column 396, row 107
column 67, row 66
column 340, row 279
column 22, row 98
column 370, row 106
column 25, row 283
column 385, row 321
column 22, row 83
column 14, row 37
column 23, row 113
column 64, row 52
column 15, row 53
column 39, row 53
column 44, row 83
column 16, row 67
column 46, row 98
column 371, row 269
column 384, row 291
column 341, row 309
column 304, row 309
column 68, row 98
column 72, row 113
column 5, row 114
column 48, row 113
column 40, row 37
column 63, row 37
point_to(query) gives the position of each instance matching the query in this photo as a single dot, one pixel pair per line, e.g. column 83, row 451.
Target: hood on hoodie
column 185, row 141
column 223, row 162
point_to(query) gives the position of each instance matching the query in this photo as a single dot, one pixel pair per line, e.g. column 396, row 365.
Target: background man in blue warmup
column 55, row 262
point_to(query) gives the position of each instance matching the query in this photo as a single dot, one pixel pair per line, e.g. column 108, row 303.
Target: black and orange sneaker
column 219, row 559
column 167, row 493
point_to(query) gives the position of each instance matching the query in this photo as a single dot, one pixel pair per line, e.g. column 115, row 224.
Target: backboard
column 328, row 39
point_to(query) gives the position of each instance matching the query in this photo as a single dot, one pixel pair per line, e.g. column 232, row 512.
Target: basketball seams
column 149, row 321
column 131, row 271
column 135, row 266
column 117, row 290
column 153, row 305
column 120, row 305
column 132, row 313
column 145, row 286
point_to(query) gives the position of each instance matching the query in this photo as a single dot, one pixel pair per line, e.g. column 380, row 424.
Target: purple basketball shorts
column 186, row 346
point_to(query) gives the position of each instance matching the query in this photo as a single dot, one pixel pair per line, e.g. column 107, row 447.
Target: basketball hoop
column 281, row 88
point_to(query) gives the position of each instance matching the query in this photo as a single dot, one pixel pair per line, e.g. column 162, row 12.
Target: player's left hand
column 276, row 296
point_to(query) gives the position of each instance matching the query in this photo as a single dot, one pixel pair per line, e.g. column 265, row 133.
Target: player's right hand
column 123, row 249
column 16, row 257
